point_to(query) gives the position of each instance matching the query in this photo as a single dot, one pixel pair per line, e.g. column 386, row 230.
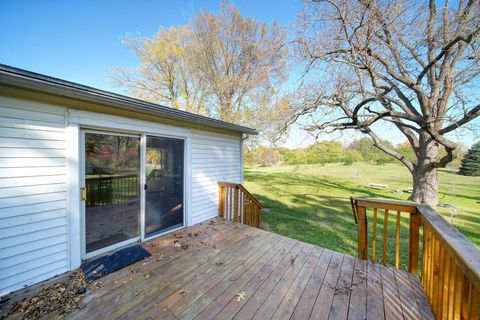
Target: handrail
column 241, row 187
column 455, row 242
column 237, row 204
column 450, row 269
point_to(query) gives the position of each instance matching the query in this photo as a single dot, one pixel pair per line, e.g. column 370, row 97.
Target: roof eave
column 32, row 81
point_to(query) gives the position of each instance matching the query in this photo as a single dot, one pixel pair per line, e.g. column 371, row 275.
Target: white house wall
column 33, row 193
column 36, row 182
column 215, row 157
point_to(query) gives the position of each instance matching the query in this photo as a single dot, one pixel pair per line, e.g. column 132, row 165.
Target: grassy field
column 310, row 202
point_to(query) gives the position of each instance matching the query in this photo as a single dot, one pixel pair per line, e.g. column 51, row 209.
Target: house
column 85, row 171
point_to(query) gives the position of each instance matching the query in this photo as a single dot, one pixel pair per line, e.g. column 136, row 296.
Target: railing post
column 221, row 202
column 235, row 204
column 258, row 217
column 413, row 243
column 362, row 233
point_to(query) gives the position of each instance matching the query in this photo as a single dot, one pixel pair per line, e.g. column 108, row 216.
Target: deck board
column 281, row 278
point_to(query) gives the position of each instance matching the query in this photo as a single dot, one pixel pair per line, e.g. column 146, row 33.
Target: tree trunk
column 425, row 186
column 425, row 178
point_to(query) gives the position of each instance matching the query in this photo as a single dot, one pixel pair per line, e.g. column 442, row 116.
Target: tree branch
column 469, row 116
column 379, row 144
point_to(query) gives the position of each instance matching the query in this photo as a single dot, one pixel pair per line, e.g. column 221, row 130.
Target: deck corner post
column 362, row 233
column 413, row 244
column 221, row 199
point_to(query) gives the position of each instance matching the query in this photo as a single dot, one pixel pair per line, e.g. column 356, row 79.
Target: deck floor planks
column 391, row 297
column 162, row 254
column 422, row 302
column 291, row 298
column 407, row 297
column 236, row 278
column 341, row 299
column 169, row 295
column 272, row 302
column 304, row 307
column 196, row 295
column 238, row 286
column 375, row 306
column 256, row 300
column 201, row 281
column 232, row 306
column 123, row 298
column 357, row 308
column 322, row 306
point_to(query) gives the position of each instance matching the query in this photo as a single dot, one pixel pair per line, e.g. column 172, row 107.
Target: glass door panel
column 112, row 208
column 164, row 185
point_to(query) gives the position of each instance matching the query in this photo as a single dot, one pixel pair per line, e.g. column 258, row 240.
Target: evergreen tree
column 471, row 161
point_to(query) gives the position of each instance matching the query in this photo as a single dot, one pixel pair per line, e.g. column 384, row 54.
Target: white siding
column 215, row 157
column 35, row 227
column 33, row 193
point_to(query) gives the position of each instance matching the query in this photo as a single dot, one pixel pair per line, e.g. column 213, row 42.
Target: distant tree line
column 323, row 152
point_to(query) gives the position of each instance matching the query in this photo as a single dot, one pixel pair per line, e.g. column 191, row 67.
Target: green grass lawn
column 311, row 202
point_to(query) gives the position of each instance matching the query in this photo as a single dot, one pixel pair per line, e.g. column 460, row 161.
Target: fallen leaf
column 240, row 296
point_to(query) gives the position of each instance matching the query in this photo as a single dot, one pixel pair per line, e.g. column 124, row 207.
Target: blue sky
column 80, row 41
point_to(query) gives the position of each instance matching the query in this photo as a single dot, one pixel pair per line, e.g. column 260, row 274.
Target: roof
column 24, row 79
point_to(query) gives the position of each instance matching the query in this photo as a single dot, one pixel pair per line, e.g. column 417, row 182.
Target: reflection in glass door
column 112, row 208
column 164, row 185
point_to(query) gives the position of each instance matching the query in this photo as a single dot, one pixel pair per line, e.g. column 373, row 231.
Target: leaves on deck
column 57, row 299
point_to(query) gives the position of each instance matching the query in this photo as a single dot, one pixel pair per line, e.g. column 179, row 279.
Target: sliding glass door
column 112, row 189
column 164, row 176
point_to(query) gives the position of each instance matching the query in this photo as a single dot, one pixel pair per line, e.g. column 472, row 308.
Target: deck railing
column 450, row 263
column 104, row 191
column 237, row 204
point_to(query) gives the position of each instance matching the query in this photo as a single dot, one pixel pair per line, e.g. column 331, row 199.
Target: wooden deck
column 231, row 271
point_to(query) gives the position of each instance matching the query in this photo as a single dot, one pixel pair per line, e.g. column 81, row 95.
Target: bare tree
column 218, row 65
column 239, row 58
column 166, row 74
column 412, row 64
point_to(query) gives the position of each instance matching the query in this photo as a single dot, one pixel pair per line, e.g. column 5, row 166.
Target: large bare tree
column 223, row 65
column 411, row 64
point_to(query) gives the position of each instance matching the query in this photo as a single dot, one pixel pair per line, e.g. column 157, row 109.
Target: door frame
column 78, row 120
column 83, row 212
column 142, row 172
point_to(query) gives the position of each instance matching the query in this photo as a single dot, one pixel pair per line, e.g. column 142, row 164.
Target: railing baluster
column 444, row 288
column 451, row 295
column 474, row 312
column 458, row 292
column 431, row 267
column 374, row 240
column 467, row 294
column 385, row 236
column 235, row 204
column 438, row 293
column 397, row 242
